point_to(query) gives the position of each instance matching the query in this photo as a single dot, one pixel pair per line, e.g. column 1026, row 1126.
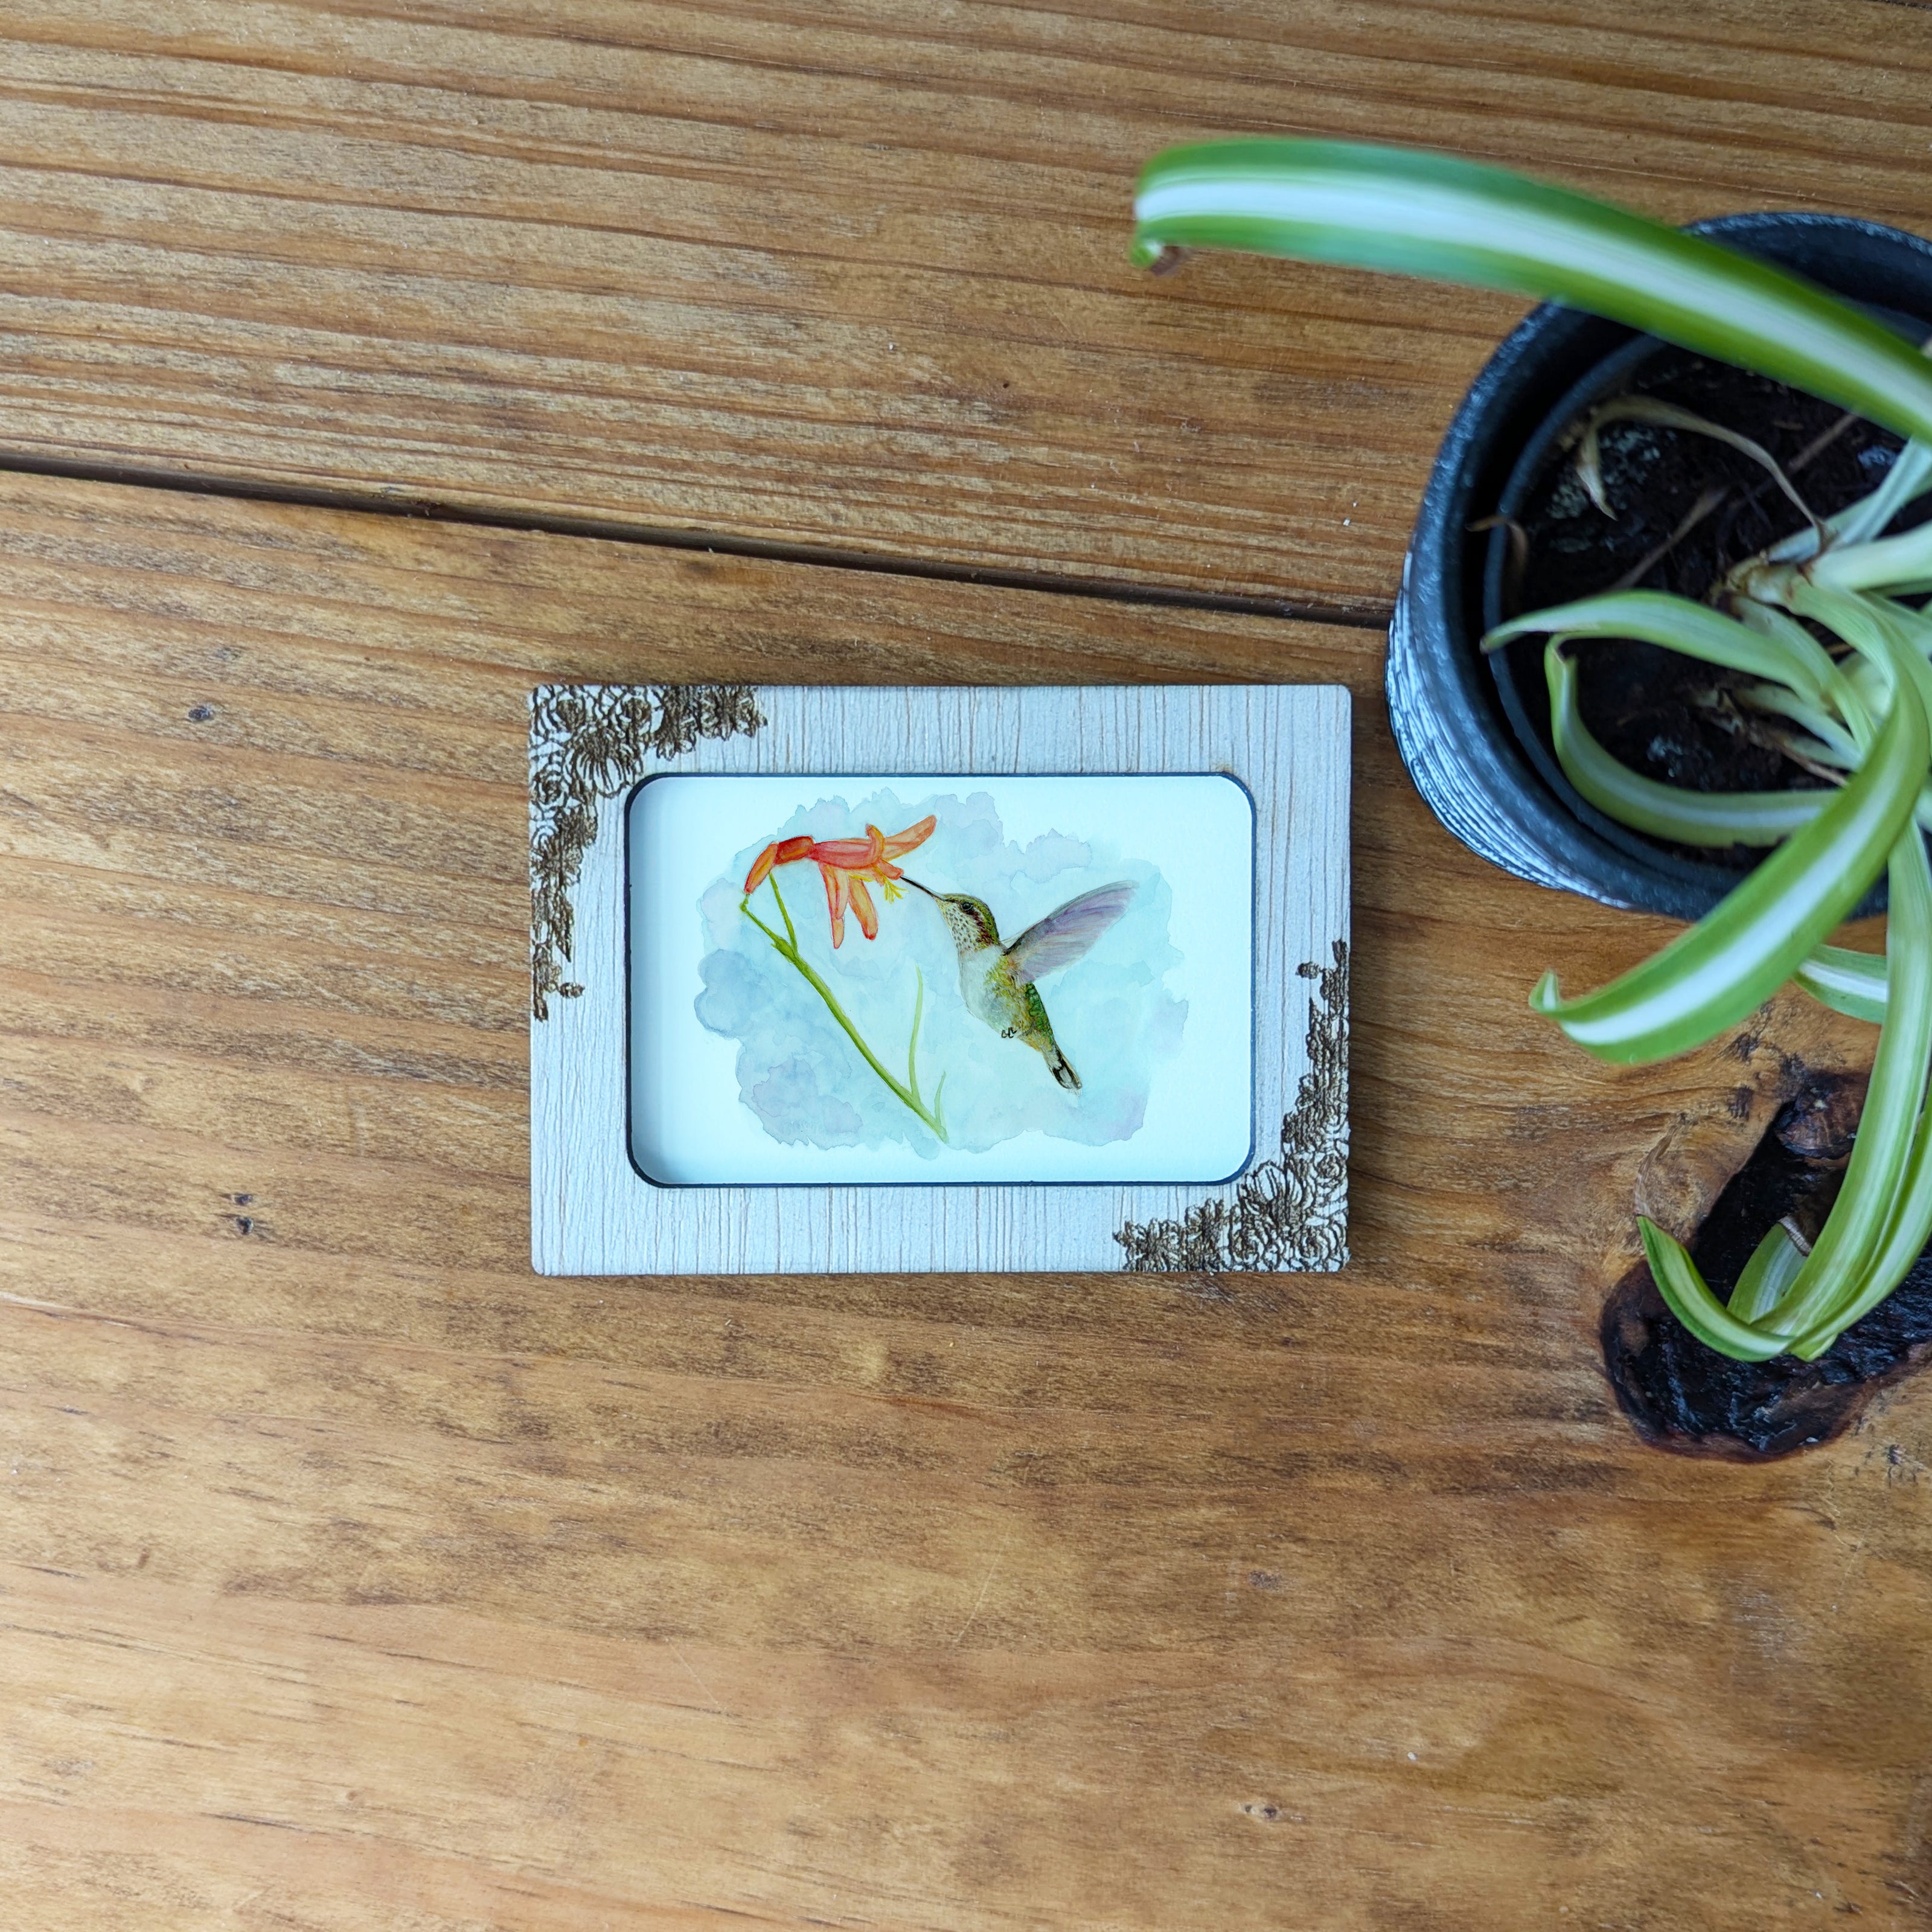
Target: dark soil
column 1638, row 699
column 1683, row 1396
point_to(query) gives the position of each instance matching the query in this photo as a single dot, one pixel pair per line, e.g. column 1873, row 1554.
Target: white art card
column 929, row 980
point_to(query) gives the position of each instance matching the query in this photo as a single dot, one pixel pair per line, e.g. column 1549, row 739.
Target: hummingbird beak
column 907, row 879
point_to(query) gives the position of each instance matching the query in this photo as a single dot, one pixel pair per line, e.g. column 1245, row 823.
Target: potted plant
column 1808, row 648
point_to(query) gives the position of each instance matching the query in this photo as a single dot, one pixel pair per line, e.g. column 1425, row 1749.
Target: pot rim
column 1459, row 747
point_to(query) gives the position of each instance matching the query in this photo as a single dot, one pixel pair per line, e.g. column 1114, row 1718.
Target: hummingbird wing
column 1064, row 936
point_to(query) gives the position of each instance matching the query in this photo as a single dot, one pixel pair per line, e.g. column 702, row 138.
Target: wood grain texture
column 838, row 272
column 594, row 1212
column 353, row 1578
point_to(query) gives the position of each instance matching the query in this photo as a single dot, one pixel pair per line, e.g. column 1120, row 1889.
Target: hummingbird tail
column 1061, row 1068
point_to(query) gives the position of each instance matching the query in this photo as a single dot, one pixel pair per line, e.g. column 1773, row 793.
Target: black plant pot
column 1470, row 739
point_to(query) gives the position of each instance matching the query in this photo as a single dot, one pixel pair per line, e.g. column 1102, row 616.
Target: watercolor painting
column 898, row 969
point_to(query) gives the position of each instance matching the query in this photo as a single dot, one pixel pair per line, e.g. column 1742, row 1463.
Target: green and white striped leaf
column 1901, row 563
column 1737, row 955
column 1909, row 476
column 1852, row 1248
column 1906, row 1233
column 1690, row 1299
column 1646, row 804
column 1849, row 982
column 1792, row 658
column 1424, row 214
column 1767, row 1275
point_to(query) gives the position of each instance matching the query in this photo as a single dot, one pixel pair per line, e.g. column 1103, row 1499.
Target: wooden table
column 355, row 1578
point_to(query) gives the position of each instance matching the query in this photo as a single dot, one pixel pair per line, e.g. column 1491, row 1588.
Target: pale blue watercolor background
column 1115, row 1018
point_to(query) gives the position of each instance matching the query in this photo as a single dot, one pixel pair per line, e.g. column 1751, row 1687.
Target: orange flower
column 845, row 864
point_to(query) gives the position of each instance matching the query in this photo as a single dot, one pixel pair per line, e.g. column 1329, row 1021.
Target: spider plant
column 1826, row 651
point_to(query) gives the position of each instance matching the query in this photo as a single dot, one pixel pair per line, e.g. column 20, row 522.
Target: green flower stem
column 907, row 1090
column 912, row 1061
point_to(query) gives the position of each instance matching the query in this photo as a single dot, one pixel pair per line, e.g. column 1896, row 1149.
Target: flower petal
column 846, row 854
column 902, row 842
column 782, row 853
column 761, row 869
column 861, row 903
column 837, row 894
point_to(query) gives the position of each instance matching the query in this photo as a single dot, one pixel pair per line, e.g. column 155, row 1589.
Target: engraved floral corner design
column 589, row 742
column 1289, row 1214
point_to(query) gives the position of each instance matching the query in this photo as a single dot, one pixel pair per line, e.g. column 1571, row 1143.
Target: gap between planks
column 393, row 503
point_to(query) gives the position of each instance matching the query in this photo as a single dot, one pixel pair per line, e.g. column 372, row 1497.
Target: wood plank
column 832, row 273
column 353, row 1577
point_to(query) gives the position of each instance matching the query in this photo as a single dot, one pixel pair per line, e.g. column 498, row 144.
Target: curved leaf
column 1710, row 977
column 1902, row 562
column 1773, row 1267
column 1420, row 213
column 1853, row 1244
column 1664, row 811
column 1906, row 1235
column 1849, row 982
column 1655, row 617
column 1691, row 1301
column 1909, row 476
column 1829, row 743
column 1670, row 415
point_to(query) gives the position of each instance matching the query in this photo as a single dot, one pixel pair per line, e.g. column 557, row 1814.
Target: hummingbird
column 997, row 980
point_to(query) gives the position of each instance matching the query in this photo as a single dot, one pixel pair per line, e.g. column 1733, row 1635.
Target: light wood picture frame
column 592, row 746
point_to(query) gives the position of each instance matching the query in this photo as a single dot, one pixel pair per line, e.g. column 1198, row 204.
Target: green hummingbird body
column 997, row 981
